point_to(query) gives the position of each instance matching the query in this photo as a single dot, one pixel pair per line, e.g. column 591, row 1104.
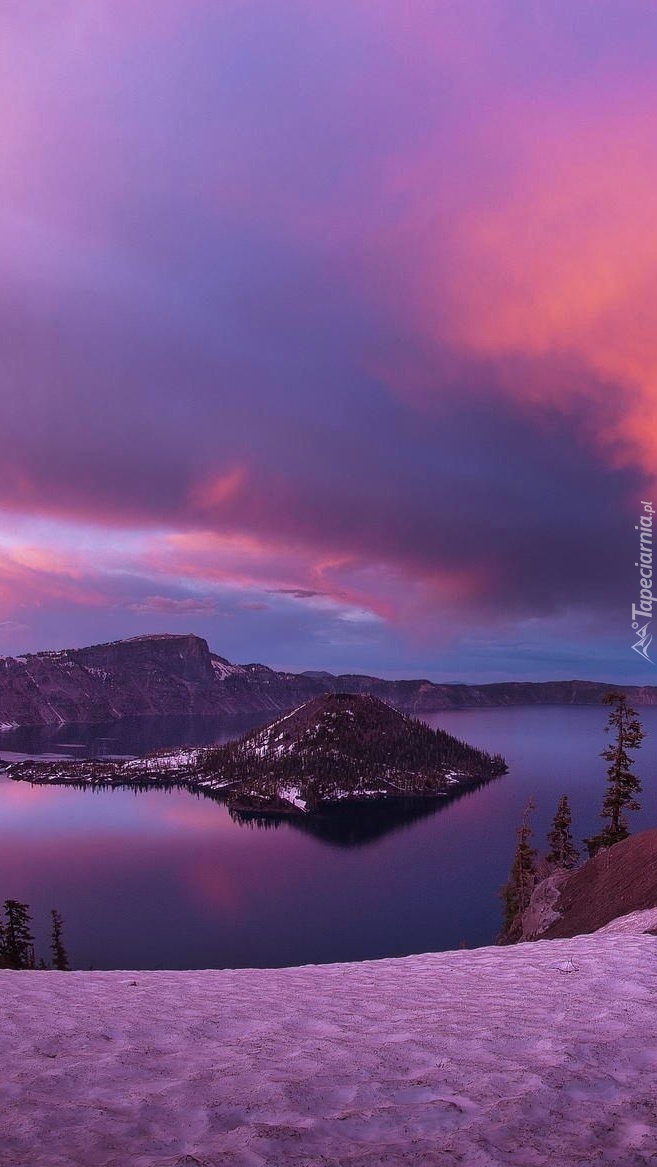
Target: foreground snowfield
column 542, row 1053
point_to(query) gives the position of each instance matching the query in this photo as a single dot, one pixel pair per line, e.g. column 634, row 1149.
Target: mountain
column 333, row 748
column 178, row 676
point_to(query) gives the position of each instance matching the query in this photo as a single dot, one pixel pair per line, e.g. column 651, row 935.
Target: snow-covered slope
column 539, row 1054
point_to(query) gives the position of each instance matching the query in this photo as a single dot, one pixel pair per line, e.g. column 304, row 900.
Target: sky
column 328, row 330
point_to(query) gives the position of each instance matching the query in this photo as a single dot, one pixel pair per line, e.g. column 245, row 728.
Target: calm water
column 164, row 879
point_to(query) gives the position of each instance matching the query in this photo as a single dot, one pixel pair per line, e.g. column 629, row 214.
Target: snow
column 293, row 794
column 632, row 923
column 263, row 744
column 286, row 717
column 540, row 1054
column 454, row 777
column 165, row 761
column 358, row 792
column 223, row 669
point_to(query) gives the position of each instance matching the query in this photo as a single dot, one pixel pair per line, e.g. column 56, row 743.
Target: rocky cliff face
column 178, row 675
column 619, row 880
column 146, row 676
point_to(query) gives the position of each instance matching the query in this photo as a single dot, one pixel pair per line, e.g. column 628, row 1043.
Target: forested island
column 334, row 748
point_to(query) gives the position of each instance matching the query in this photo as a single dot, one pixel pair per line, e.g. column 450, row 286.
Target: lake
column 164, row 879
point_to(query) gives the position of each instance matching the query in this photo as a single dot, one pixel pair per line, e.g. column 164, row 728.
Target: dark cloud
column 298, row 593
column 172, row 606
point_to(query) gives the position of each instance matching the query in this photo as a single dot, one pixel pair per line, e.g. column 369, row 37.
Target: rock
column 542, row 910
column 619, row 880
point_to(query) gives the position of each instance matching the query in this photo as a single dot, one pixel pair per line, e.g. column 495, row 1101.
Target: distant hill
column 334, row 748
column 178, row 676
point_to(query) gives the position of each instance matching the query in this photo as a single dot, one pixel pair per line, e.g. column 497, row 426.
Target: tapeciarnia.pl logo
column 644, row 564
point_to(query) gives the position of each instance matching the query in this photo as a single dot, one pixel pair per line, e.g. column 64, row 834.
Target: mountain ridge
column 176, row 673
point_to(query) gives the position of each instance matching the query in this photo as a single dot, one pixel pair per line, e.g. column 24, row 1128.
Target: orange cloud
column 541, row 244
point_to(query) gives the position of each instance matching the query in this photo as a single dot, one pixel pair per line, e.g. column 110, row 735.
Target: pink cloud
column 216, row 491
column 34, row 577
column 558, row 260
column 309, row 575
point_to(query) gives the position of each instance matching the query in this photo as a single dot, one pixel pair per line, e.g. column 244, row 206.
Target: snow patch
column 159, row 762
column 542, row 1053
column 223, row 670
column 631, row 924
column 292, row 794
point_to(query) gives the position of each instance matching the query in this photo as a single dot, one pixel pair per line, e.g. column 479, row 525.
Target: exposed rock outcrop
column 619, row 880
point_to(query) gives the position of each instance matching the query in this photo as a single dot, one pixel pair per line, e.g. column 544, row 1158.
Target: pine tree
column 17, row 940
column 517, row 891
column 562, row 851
column 59, row 954
column 622, row 784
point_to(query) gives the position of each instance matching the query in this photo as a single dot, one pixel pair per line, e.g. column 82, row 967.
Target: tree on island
column 517, row 891
column 562, row 851
column 622, row 784
column 60, row 959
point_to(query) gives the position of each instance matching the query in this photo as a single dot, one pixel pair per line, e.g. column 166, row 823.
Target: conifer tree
column 562, row 851
column 60, row 959
column 622, row 784
column 517, row 891
column 17, row 940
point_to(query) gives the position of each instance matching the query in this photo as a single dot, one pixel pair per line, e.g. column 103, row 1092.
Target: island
column 334, row 748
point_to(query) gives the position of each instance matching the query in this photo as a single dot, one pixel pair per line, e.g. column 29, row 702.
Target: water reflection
column 132, row 736
column 352, row 823
column 166, row 880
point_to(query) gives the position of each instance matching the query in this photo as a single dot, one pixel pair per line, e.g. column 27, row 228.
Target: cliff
column 617, row 881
